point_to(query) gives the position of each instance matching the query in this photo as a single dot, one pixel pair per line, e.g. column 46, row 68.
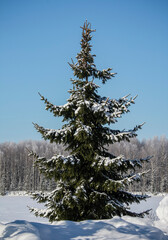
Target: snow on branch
column 115, row 108
column 104, row 75
column 109, row 109
column 54, row 166
column 121, row 163
column 113, row 136
column 119, row 184
column 53, row 135
column 62, row 110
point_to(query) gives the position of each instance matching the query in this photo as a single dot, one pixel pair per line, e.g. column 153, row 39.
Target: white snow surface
column 16, row 223
column 162, row 213
column 162, row 210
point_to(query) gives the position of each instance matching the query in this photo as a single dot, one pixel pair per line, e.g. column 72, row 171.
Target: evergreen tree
column 91, row 183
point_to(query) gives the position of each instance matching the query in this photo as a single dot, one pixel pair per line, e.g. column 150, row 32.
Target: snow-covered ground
column 16, row 223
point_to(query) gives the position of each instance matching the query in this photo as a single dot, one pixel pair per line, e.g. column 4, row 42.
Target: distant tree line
column 156, row 180
column 17, row 172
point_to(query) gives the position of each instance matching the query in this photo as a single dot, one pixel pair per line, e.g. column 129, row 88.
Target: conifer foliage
column 91, row 183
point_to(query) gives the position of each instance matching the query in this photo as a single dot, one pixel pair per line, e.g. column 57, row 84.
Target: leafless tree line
column 17, row 172
column 156, row 180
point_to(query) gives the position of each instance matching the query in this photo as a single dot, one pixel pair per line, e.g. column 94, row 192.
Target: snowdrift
column 162, row 210
column 162, row 213
column 116, row 228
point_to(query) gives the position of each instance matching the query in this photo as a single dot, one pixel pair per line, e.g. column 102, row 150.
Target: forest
column 18, row 173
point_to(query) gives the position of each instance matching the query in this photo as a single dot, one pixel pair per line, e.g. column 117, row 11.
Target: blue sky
column 38, row 38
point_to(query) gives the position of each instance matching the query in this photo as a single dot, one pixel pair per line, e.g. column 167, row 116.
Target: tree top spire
column 85, row 67
column 87, row 27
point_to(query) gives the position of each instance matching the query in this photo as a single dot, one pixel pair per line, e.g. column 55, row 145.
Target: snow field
column 18, row 224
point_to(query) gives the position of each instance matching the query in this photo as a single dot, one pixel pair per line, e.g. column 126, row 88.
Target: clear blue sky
column 38, row 38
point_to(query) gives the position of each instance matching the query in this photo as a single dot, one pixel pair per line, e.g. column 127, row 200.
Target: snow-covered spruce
column 91, row 183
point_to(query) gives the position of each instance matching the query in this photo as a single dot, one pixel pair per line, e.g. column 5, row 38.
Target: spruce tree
column 91, row 183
